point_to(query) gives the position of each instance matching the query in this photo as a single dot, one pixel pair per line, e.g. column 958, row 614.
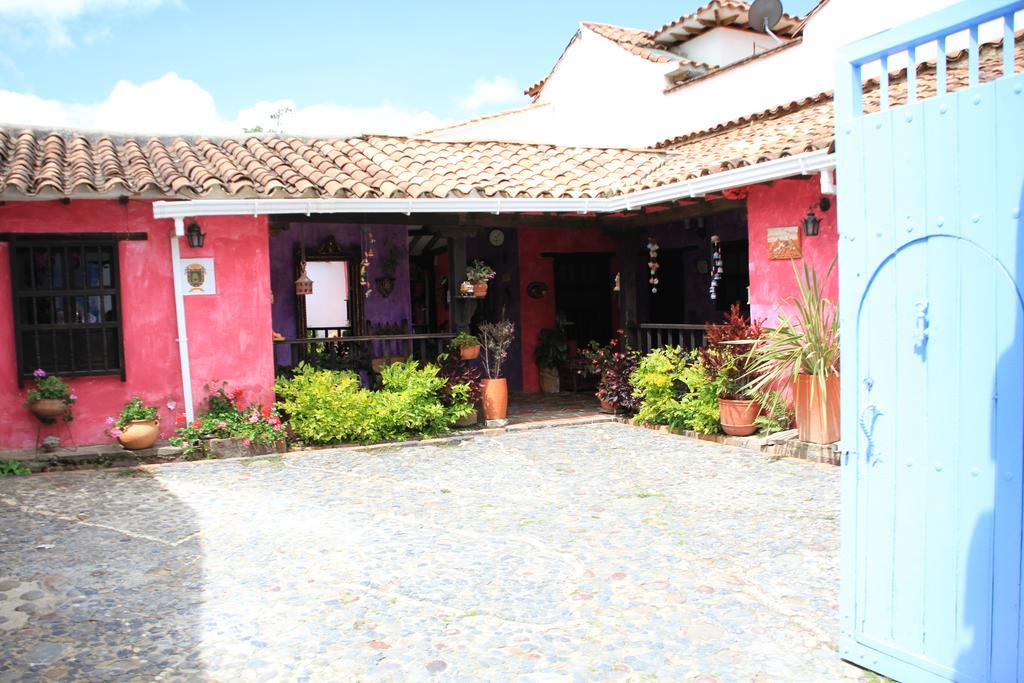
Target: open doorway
column 583, row 296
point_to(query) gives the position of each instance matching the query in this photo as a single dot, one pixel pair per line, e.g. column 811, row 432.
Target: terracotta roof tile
column 731, row 13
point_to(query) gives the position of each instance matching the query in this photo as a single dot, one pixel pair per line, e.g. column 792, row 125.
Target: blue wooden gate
column 930, row 258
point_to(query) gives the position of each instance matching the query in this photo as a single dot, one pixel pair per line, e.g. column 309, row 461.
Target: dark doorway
column 583, row 295
column 668, row 305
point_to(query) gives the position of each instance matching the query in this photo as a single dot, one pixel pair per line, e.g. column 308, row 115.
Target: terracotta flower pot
column 549, row 382
column 470, row 352
column 139, row 434
column 479, row 289
column 817, row 416
column 48, row 409
column 608, row 407
column 495, row 393
column 738, row 416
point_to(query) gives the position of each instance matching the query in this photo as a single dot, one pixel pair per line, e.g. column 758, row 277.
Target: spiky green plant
column 804, row 343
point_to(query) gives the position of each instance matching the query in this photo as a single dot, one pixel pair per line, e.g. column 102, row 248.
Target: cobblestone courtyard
column 573, row 553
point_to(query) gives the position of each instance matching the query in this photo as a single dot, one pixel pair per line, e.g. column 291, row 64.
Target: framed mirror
column 334, row 309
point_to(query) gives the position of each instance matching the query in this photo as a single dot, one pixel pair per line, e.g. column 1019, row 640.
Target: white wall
column 601, row 95
column 724, row 45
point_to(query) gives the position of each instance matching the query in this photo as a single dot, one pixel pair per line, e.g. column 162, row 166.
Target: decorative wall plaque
column 200, row 277
column 784, row 243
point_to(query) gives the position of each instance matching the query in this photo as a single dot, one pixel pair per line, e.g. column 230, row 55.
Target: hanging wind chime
column 364, row 266
column 303, row 285
column 717, row 267
column 652, row 263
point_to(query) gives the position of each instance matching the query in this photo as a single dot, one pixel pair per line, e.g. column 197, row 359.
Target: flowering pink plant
column 225, row 414
column 51, row 387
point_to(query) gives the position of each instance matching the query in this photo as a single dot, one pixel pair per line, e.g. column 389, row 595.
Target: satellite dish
column 764, row 15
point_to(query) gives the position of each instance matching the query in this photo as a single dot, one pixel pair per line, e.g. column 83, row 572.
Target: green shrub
column 326, row 406
column 674, row 389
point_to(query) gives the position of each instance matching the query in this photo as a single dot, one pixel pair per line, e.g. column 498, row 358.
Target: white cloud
column 52, row 17
column 172, row 104
column 487, row 93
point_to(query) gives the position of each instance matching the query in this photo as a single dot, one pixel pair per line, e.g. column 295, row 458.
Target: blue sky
column 64, row 59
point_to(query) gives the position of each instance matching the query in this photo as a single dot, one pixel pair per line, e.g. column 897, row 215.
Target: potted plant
column 495, row 338
column 50, row 398
column 614, row 363
column 137, row 427
column 803, row 350
column 456, row 371
column 479, row 273
column 467, row 345
column 726, row 357
column 551, row 355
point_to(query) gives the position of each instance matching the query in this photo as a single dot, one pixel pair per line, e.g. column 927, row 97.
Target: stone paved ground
column 599, row 552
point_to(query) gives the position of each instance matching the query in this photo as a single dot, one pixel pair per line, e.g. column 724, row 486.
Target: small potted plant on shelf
column 137, row 427
column 467, row 345
column 479, row 274
column 50, row 398
column 803, row 350
column 496, row 339
column 551, row 355
column 614, row 363
column 456, row 371
column 726, row 357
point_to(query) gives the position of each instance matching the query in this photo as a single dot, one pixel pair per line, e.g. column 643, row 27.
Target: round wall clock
column 496, row 238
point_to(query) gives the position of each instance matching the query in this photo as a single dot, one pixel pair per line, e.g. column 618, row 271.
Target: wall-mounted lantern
column 812, row 224
column 196, row 237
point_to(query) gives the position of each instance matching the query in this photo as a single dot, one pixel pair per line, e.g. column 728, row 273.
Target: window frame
column 64, row 243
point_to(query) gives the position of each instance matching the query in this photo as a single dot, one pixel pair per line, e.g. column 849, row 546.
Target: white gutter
column 787, row 167
column 179, row 309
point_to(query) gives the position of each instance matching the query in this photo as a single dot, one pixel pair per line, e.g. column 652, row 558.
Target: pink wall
column 536, row 314
column 229, row 333
column 785, row 203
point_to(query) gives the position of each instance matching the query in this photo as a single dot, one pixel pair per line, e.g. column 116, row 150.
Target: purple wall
column 376, row 308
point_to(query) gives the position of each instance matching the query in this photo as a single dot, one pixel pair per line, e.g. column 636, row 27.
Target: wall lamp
column 196, row 237
column 812, row 224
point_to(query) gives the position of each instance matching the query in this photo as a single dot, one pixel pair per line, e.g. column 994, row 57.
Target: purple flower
column 254, row 418
column 222, row 424
column 72, row 396
column 39, row 374
column 115, row 432
column 110, row 421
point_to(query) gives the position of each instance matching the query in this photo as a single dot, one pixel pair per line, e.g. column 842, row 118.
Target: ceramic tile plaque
column 200, row 277
column 784, row 243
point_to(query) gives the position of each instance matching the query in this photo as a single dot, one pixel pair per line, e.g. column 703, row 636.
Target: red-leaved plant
column 726, row 354
column 614, row 363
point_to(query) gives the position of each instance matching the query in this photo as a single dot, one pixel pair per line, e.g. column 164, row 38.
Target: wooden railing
column 358, row 353
column 657, row 336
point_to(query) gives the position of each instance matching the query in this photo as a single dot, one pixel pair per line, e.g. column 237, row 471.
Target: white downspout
column 179, row 309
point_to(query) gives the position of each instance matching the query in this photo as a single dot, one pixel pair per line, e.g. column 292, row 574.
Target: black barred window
column 67, row 305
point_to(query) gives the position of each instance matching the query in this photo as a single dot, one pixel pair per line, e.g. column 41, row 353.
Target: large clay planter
column 48, row 409
column 470, row 352
column 139, row 434
column 817, row 416
column 495, row 401
column 479, row 289
column 549, row 382
column 738, row 416
column 608, row 408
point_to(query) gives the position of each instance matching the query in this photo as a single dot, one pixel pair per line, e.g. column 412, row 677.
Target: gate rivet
column 975, row 217
column 974, row 471
column 910, row 117
column 977, row 99
column 1016, row 212
column 1017, row 90
column 878, row 125
column 940, row 221
column 938, row 467
column 1008, row 476
column 943, row 109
